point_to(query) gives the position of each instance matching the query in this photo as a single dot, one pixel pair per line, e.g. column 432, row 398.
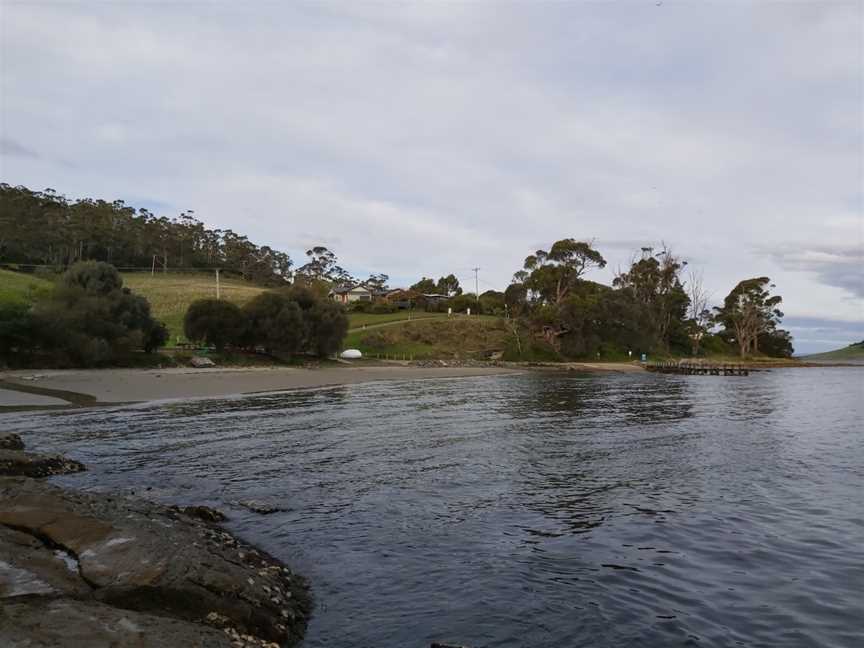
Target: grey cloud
column 12, row 148
column 816, row 334
column 420, row 138
column 841, row 266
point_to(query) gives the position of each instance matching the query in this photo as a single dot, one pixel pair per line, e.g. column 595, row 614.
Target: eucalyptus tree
column 553, row 274
column 654, row 282
column 750, row 311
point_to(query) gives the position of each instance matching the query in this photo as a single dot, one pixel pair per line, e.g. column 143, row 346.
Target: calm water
column 534, row 510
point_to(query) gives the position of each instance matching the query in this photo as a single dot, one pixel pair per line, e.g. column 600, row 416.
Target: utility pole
column 477, row 283
column 217, row 284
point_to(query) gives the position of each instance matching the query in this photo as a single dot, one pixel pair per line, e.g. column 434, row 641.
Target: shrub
column 361, row 306
column 328, row 326
column 17, row 329
column 91, row 320
column 275, row 322
column 215, row 322
column 382, row 308
column 93, row 277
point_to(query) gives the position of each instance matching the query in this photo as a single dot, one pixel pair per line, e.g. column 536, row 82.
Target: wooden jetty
column 697, row 368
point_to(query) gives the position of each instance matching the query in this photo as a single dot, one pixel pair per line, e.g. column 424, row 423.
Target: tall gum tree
column 749, row 311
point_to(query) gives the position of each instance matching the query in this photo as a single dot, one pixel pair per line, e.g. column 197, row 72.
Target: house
column 349, row 294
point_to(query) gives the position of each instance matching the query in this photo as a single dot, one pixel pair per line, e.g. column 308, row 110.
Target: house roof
column 341, row 290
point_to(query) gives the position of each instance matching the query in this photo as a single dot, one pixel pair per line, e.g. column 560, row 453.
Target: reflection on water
column 535, row 510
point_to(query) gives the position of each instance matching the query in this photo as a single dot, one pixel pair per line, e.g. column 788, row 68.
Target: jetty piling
column 699, row 368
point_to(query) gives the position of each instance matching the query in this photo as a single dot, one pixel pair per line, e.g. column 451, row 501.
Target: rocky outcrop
column 262, row 508
column 9, row 441
column 67, row 622
column 201, row 512
column 125, row 562
column 28, row 464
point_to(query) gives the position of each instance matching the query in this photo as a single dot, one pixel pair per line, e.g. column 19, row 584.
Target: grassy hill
column 851, row 353
column 170, row 295
column 439, row 337
column 18, row 287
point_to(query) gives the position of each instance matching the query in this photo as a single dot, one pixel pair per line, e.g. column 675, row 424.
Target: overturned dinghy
column 351, row 354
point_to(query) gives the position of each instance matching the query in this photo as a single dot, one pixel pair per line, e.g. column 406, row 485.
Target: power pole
column 217, row 283
column 476, row 283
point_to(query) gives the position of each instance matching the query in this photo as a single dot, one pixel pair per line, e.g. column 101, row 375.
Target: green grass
column 19, row 287
column 356, row 320
column 439, row 337
column 170, row 295
column 851, row 353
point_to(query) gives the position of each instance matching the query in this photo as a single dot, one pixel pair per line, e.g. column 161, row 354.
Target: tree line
column 651, row 307
column 281, row 322
column 46, row 228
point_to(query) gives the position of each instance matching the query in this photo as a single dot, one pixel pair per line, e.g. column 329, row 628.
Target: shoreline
column 53, row 389
column 65, row 388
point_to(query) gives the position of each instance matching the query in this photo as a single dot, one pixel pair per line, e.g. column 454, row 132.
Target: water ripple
column 535, row 510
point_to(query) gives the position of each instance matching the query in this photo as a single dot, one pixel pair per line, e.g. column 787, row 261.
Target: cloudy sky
column 428, row 138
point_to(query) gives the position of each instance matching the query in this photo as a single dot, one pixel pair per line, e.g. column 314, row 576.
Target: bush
column 275, row 322
column 17, row 330
column 382, row 308
column 360, row 306
column 328, row 326
column 461, row 304
column 214, row 322
column 91, row 320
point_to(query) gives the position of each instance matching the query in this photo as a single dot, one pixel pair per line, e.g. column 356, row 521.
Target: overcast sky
column 423, row 139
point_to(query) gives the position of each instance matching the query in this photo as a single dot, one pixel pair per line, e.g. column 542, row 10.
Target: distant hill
column 852, row 353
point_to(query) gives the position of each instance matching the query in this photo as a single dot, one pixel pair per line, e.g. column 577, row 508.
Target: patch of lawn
column 170, row 294
column 20, row 287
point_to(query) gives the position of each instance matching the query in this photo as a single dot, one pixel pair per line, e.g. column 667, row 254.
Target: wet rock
column 257, row 506
column 9, row 441
column 62, row 623
column 201, row 512
column 28, row 567
column 28, row 464
column 142, row 556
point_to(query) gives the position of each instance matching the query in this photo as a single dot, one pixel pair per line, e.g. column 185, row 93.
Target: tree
column 93, row 278
column 44, row 227
column 425, row 286
column 448, row 286
column 748, row 312
column 699, row 315
column 323, row 265
column 275, row 321
column 328, row 326
column 654, row 281
column 516, row 299
column 214, row 322
column 91, row 319
column 552, row 275
column 17, row 329
column 377, row 282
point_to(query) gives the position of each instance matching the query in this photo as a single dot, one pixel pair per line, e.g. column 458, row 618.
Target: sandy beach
column 104, row 386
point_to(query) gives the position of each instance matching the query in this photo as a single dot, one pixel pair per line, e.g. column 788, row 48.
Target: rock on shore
column 28, row 464
column 9, row 441
column 97, row 570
